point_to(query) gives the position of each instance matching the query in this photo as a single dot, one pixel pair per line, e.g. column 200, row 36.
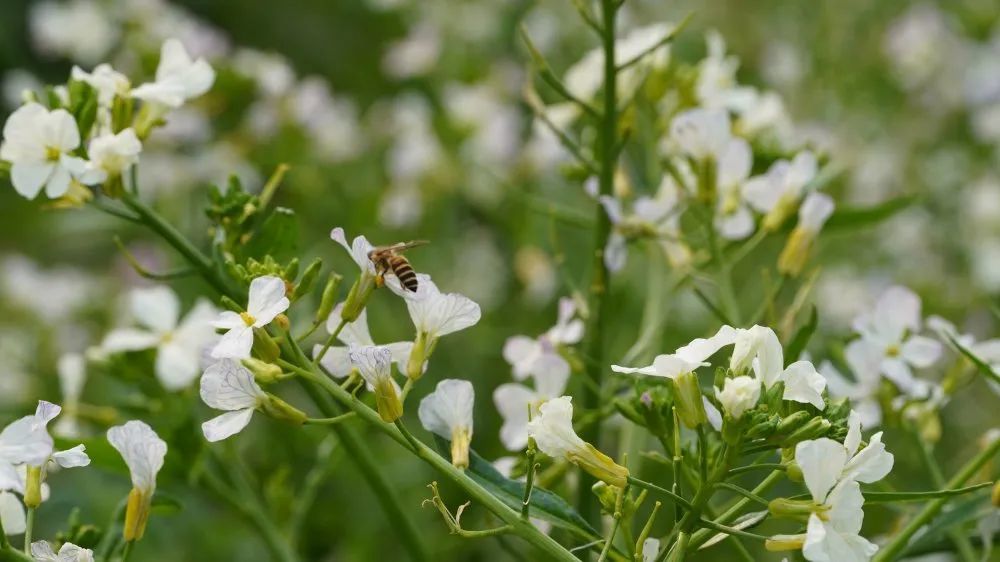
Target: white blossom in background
column 178, row 77
column 701, row 134
column 891, row 331
column 517, row 403
column 143, row 452
column 108, row 82
column 733, row 219
column 229, row 386
column 266, row 301
column 447, row 412
column 778, row 192
column 863, row 389
column 553, row 432
column 179, row 343
column 72, row 371
column 42, row 551
column 39, row 144
column 540, row 356
column 337, row 360
column 813, row 214
column 656, row 217
column 80, row 30
column 415, row 54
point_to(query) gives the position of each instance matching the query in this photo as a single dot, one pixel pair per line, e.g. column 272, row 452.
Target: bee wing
column 400, row 246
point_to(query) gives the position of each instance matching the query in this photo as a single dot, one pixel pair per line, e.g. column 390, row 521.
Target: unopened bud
column 265, row 346
column 264, row 373
column 606, row 494
column 793, row 257
column 329, row 299
column 798, row 510
column 33, row 487
column 357, row 299
column 281, row 410
column 291, row 270
column 308, row 279
column 792, row 422
column 816, row 427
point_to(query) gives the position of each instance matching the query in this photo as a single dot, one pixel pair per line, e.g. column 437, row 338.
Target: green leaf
column 166, row 504
column 802, row 336
column 277, row 237
column 852, row 218
column 961, row 513
column 983, row 366
column 545, row 505
column 886, row 497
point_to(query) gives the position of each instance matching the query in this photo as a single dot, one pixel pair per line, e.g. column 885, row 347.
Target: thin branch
column 147, row 274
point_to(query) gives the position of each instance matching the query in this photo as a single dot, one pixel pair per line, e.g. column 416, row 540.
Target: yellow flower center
column 52, row 153
column 247, row 319
column 892, row 350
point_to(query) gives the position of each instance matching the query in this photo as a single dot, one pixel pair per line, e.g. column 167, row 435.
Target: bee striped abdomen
column 404, row 272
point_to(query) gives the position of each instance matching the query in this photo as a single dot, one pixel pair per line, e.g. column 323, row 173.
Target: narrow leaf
column 846, row 218
column 885, row 497
column 802, row 336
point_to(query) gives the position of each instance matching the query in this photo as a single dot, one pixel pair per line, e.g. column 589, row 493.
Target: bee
column 389, row 258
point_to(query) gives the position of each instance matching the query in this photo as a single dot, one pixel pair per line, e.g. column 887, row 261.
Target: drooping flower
column 72, row 371
column 143, row 452
column 374, row 364
column 890, row 331
column 42, row 551
column 813, row 214
column 655, row 218
column 802, row 382
column 518, row 403
column 337, row 360
column 434, row 314
column 39, row 144
column 553, row 432
column 687, row 358
column 738, row 395
column 179, row 343
column 777, row 193
column 448, row 412
column 267, row 300
column 178, row 77
column 733, row 219
column 540, row 356
column 229, row 386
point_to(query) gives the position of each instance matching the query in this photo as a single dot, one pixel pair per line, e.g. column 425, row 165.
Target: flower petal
column 267, row 299
column 226, row 425
column 821, row 461
column 227, row 385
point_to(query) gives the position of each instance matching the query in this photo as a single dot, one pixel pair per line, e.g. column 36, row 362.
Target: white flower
column 802, row 382
column 143, row 452
column 267, row 300
column 437, row 314
column 650, row 549
column 80, row 29
column 111, row 155
column 229, row 386
column 700, row 133
column 833, row 536
column 39, row 144
column 448, row 412
column 516, row 402
column 890, row 331
column 11, row 514
column 738, row 395
column 535, row 357
column 178, row 343
column 72, row 371
column 337, row 360
column 27, row 441
column 777, row 193
column 686, row 359
column 656, row 218
column 553, row 432
column 865, row 364
column 108, row 82
column 813, row 214
column 733, row 219
column 68, row 552
column 374, row 364
column 359, row 248
column 178, row 77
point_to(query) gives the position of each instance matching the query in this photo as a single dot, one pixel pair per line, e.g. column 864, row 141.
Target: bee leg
column 380, row 279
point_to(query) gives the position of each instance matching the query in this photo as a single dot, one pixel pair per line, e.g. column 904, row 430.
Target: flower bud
column 282, row 322
column 792, row 422
column 308, row 279
column 33, row 487
column 329, row 299
column 263, row 373
column 606, row 494
column 358, row 297
column 765, row 428
column 690, row 407
column 281, row 410
column 265, row 346
column 815, row 428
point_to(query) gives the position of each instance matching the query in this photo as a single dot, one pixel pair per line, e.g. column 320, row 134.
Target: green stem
column 518, row 526
column 29, row 529
column 529, row 479
column 330, row 421
column 614, row 526
column 126, row 550
column 594, row 349
column 306, row 497
column 679, row 501
column 703, row 535
column 751, row 467
column 898, row 544
column 743, row 492
column 961, row 541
